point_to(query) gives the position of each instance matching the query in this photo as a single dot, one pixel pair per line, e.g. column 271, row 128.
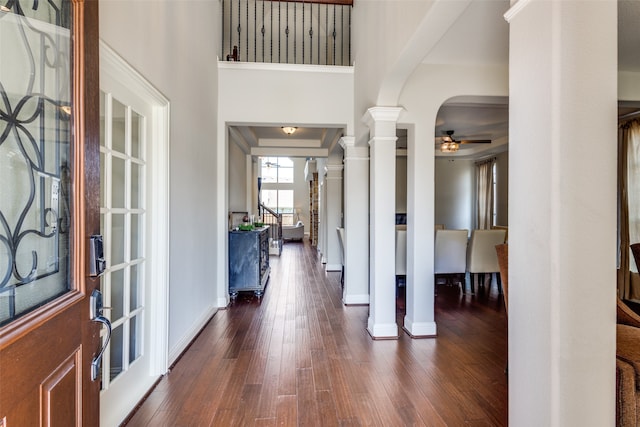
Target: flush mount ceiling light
column 289, row 130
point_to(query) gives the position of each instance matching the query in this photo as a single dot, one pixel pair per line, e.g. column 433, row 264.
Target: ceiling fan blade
column 474, row 141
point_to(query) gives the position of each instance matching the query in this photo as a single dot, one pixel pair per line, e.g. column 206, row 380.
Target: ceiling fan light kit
column 451, row 145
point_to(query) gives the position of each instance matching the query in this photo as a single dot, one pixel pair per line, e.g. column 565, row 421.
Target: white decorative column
column 333, row 193
column 382, row 181
column 356, row 222
column 322, row 227
column 562, row 212
column 419, row 320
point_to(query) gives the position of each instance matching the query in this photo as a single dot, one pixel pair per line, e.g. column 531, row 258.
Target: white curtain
column 628, row 207
column 633, row 186
column 484, row 190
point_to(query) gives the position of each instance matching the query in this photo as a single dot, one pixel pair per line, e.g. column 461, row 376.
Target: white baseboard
column 180, row 347
column 355, row 299
column 223, row 302
column 420, row 329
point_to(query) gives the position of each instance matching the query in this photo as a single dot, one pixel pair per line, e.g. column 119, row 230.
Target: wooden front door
column 49, row 201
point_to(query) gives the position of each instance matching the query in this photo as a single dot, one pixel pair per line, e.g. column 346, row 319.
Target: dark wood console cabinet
column 248, row 261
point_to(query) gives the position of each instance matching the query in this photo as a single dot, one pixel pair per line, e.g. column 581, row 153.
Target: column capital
column 381, row 114
column 347, row 142
column 351, row 151
column 382, row 121
column 333, row 171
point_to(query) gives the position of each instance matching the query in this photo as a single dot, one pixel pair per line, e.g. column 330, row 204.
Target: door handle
column 96, row 312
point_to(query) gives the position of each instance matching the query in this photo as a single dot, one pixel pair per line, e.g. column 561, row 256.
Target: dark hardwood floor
column 300, row 357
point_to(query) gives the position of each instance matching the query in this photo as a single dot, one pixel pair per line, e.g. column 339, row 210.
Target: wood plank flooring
column 299, row 357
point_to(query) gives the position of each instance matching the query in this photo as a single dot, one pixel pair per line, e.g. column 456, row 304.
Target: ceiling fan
column 451, row 145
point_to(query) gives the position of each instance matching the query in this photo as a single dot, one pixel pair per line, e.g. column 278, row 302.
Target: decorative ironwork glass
column 35, row 154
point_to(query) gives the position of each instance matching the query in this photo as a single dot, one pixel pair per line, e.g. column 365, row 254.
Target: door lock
column 97, row 263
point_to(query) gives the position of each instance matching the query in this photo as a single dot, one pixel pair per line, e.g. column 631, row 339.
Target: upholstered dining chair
column 482, row 257
column 502, row 251
column 450, row 255
column 627, row 366
column 635, row 250
column 340, row 231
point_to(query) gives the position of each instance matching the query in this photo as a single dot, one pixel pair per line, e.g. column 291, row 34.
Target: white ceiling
column 481, row 35
column 306, row 141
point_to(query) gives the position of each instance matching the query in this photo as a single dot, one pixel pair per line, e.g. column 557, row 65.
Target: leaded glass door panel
column 47, row 339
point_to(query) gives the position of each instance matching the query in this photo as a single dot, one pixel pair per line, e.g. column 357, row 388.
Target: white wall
column 376, row 48
column 628, row 86
column 161, row 41
column 238, row 180
column 454, row 193
column 285, row 94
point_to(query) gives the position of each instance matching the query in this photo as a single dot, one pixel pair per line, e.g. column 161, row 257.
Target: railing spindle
column 247, row 31
column 311, row 36
column 292, row 47
column 334, row 34
column 239, row 19
column 342, row 34
column 326, row 46
column 349, row 63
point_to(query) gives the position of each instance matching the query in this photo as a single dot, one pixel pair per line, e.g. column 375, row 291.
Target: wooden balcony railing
column 290, row 32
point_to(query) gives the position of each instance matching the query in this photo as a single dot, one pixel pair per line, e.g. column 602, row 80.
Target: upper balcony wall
column 290, row 32
column 302, row 95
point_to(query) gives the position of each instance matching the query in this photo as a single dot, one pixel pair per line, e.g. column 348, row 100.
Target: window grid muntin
column 106, row 212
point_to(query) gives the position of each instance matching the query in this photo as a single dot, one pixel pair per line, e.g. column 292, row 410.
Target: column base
column 420, row 329
column 356, row 299
column 333, row 267
column 383, row 331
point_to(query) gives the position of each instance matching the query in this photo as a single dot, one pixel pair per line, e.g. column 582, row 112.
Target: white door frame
column 158, row 202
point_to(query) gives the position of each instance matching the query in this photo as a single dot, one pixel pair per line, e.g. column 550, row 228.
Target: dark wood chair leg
column 499, row 282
